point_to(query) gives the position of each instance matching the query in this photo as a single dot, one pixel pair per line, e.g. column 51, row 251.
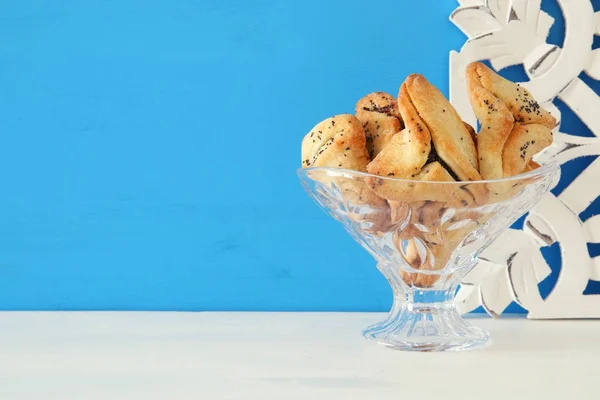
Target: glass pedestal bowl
column 425, row 236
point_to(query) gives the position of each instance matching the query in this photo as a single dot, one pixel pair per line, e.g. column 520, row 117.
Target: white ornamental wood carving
column 512, row 32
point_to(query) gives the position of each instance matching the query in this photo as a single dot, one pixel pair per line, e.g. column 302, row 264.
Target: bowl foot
column 435, row 327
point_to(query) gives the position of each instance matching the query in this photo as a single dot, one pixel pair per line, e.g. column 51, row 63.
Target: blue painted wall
column 148, row 148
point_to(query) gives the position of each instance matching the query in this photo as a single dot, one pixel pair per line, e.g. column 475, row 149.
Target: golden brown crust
column 434, row 172
column 408, row 152
column 472, row 133
column 401, row 158
column 419, row 188
column 379, row 116
column 413, row 190
column 506, row 111
column 523, row 143
column 464, row 195
column 452, row 140
column 531, row 165
column 496, row 123
column 404, row 156
column 518, row 100
column 337, row 142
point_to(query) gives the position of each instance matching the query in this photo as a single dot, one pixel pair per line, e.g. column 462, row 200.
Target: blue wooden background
column 148, row 148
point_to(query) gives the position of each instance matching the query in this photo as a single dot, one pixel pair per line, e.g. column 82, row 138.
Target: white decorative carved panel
column 513, row 32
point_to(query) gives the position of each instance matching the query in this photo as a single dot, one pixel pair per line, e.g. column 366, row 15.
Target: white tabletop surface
column 283, row 356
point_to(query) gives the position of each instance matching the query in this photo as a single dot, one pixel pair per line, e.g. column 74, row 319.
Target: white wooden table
column 283, row 356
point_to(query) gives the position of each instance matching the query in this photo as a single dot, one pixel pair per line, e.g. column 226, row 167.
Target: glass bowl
column 425, row 236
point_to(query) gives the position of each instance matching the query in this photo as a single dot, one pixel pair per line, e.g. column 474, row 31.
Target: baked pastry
column 452, row 144
column 339, row 142
column 522, row 144
column 513, row 125
column 378, row 113
column 436, row 145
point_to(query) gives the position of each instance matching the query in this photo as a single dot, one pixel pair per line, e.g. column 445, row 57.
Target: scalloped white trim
column 511, row 32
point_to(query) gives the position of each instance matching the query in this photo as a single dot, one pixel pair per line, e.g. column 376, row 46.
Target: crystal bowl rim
column 543, row 170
